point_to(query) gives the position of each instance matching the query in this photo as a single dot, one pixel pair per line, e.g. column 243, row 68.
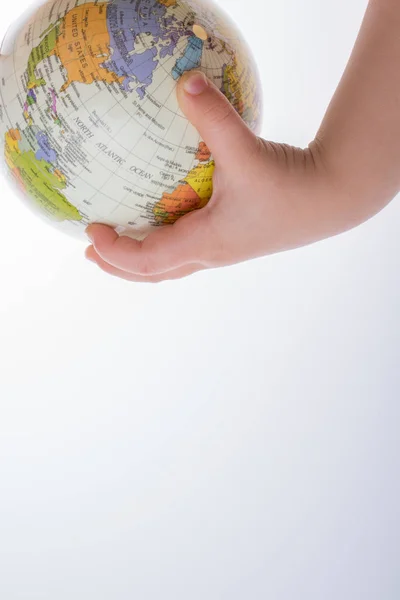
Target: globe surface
column 89, row 120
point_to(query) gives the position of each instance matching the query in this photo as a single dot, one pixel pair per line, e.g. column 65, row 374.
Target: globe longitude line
column 179, row 146
column 161, row 108
column 132, row 116
column 115, row 103
column 92, row 158
column 163, row 67
column 128, row 181
column 112, row 173
column 78, row 175
column 150, row 162
column 112, row 137
column 121, row 203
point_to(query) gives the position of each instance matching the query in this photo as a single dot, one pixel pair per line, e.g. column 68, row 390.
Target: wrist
column 353, row 193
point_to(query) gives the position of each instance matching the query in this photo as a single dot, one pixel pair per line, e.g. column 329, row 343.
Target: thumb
column 220, row 126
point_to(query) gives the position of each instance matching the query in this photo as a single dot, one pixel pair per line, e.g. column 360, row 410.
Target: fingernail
column 88, row 234
column 195, row 84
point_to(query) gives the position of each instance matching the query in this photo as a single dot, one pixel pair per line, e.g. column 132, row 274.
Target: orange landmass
column 240, row 86
column 192, row 193
column 173, row 206
column 167, row 2
column 13, row 136
column 83, row 44
column 203, row 153
column 60, row 176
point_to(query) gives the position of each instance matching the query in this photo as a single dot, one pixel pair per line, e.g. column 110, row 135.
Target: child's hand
column 265, row 200
column 270, row 197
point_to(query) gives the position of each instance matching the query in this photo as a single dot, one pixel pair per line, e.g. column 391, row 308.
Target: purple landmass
column 147, row 19
column 54, row 101
column 169, row 49
column 45, row 151
column 32, row 95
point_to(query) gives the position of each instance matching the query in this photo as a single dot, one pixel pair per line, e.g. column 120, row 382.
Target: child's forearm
column 359, row 140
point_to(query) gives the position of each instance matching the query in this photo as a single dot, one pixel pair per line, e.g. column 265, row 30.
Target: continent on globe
column 191, row 194
column 240, row 87
column 191, row 58
column 44, row 50
column 125, row 24
column 34, row 177
column 80, row 41
column 45, row 151
column 31, row 98
column 203, row 152
column 129, row 29
column 83, row 43
column 52, row 109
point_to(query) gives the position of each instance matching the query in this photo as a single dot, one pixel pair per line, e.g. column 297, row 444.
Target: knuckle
column 141, row 260
column 219, row 114
column 101, row 246
column 144, row 266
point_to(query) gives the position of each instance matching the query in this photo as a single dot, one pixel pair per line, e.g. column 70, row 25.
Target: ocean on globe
column 90, row 126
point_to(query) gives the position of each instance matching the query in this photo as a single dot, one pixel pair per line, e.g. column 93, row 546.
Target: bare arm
column 359, row 140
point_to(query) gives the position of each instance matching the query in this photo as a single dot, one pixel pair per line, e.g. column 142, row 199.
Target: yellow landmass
column 192, row 193
column 241, row 87
column 28, row 117
column 83, row 44
column 200, row 179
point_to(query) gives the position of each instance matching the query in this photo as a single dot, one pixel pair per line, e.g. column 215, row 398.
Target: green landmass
column 44, row 50
column 46, row 31
column 43, row 186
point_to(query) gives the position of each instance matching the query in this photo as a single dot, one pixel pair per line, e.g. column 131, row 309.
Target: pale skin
column 270, row 197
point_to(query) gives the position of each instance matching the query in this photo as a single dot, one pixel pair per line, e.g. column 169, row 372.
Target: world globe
column 89, row 119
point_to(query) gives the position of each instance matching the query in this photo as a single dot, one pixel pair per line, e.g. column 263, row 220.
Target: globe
column 89, row 119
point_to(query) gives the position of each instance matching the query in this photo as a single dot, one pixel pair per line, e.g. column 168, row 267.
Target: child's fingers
column 167, row 248
column 226, row 134
column 92, row 255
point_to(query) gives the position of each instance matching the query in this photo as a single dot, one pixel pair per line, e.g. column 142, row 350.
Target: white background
column 229, row 436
